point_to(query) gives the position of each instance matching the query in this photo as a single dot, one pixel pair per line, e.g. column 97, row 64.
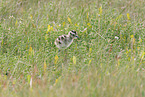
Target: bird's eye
column 72, row 34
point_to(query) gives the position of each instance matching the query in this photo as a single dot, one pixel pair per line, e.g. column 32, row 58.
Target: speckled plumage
column 64, row 41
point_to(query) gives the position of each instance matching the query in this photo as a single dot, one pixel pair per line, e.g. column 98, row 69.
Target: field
column 106, row 61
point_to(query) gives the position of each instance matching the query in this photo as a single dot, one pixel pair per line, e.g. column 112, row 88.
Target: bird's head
column 73, row 34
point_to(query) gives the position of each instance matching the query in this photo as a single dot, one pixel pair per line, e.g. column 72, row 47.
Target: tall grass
column 107, row 61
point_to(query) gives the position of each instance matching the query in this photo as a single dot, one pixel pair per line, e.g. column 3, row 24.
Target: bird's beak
column 77, row 36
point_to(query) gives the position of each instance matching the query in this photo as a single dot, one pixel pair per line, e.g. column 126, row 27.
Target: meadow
column 106, row 61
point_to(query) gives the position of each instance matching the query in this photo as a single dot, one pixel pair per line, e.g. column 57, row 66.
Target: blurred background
column 107, row 60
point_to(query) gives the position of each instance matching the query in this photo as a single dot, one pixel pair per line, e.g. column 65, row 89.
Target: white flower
column 116, row 37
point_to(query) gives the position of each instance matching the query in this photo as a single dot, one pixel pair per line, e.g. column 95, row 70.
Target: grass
column 107, row 61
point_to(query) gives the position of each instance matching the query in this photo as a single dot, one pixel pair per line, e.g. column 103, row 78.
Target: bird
column 64, row 41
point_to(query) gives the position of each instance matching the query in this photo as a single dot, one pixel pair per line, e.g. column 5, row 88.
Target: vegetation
column 107, row 61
